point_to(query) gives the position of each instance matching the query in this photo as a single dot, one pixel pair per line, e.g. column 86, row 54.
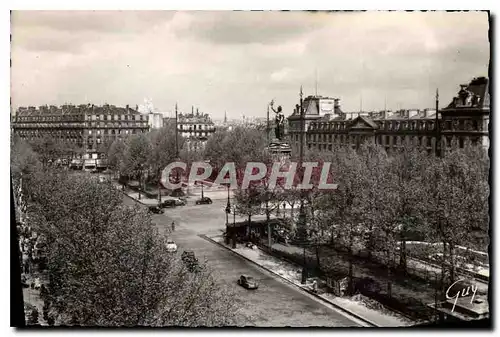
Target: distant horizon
column 167, row 114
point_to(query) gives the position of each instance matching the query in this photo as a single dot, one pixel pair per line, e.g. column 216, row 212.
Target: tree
column 137, row 157
column 458, row 205
column 214, row 148
column 107, row 264
column 248, row 201
column 407, row 169
column 47, row 148
column 116, row 155
column 163, row 151
column 240, row 145
column 23, row 160
column 343, row 204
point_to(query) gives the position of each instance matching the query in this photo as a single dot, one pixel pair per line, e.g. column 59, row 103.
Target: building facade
column 89, row 127
column 196, row 128
column 464, row 121
column 155, row 120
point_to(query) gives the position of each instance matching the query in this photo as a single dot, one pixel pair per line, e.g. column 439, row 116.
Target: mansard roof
column 474, row 95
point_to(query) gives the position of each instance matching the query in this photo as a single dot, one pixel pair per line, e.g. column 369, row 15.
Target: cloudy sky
column 238, row 61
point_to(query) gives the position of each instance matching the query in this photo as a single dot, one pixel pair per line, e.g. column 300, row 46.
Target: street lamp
column 437, row 126
column 228, row 207
column 301, row 224
column 140, row 180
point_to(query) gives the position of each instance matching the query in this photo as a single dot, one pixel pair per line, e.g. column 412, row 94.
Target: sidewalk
column 135, row 195
column 360, row 306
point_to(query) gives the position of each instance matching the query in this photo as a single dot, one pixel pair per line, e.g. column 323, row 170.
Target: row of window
column 76, row 140
column 51, row 125
column 42, row 118
column 195, row 134
column 70, row 134
column 447, row 141
column 117, row 125
column 455, row 124
column 187, row 127
column 116, row 117
column 65, row 118
column 114, row 132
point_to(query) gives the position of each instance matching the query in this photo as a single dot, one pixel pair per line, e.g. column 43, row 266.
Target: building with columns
column 464, row 121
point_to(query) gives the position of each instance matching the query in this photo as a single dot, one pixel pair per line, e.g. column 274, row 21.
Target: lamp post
column 438, row 127
column 228, row 207
column 301, row 224
column 140, row 179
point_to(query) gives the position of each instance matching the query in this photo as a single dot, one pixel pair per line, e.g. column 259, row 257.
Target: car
column 204, row 201
column 190, row 261
column 171, row 246
column 248, row 282
column 179, row 202
column 155, row 210
column 168, row 203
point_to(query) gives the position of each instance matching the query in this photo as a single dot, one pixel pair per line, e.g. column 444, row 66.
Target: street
column 275, row 303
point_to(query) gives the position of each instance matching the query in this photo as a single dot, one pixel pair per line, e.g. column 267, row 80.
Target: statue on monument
column 279, row 120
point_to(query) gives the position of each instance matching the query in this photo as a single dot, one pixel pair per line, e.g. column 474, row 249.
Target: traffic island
column 360, row 307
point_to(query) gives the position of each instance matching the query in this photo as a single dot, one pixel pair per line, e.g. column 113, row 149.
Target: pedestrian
column 173, row 226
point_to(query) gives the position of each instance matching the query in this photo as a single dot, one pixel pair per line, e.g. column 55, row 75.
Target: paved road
column 275, row 303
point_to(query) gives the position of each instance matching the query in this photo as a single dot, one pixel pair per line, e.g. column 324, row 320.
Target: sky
column 237, row 62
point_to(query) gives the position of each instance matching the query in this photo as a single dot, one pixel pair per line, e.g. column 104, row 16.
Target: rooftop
column 69, row 109
column 473, row 95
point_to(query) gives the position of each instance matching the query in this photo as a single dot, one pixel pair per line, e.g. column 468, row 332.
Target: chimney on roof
column 425, row 113
column 128, row 108
column 412, row 113
column 136, row 107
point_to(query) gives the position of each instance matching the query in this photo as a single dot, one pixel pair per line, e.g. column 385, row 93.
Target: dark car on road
column 168, row 203
column 155, row 210
column 248, row 282
column 180, row 202
column 204, row 201
column 190, row 261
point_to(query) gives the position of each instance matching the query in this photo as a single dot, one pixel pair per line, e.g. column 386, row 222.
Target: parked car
column 171, row 246
column 248, row 282
column 155, row 210
column 204, row 201
column 168, row 203
column 190, row 261
column 179, row 202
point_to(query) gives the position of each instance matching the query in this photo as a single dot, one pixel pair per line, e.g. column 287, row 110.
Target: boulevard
column 275, row 303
